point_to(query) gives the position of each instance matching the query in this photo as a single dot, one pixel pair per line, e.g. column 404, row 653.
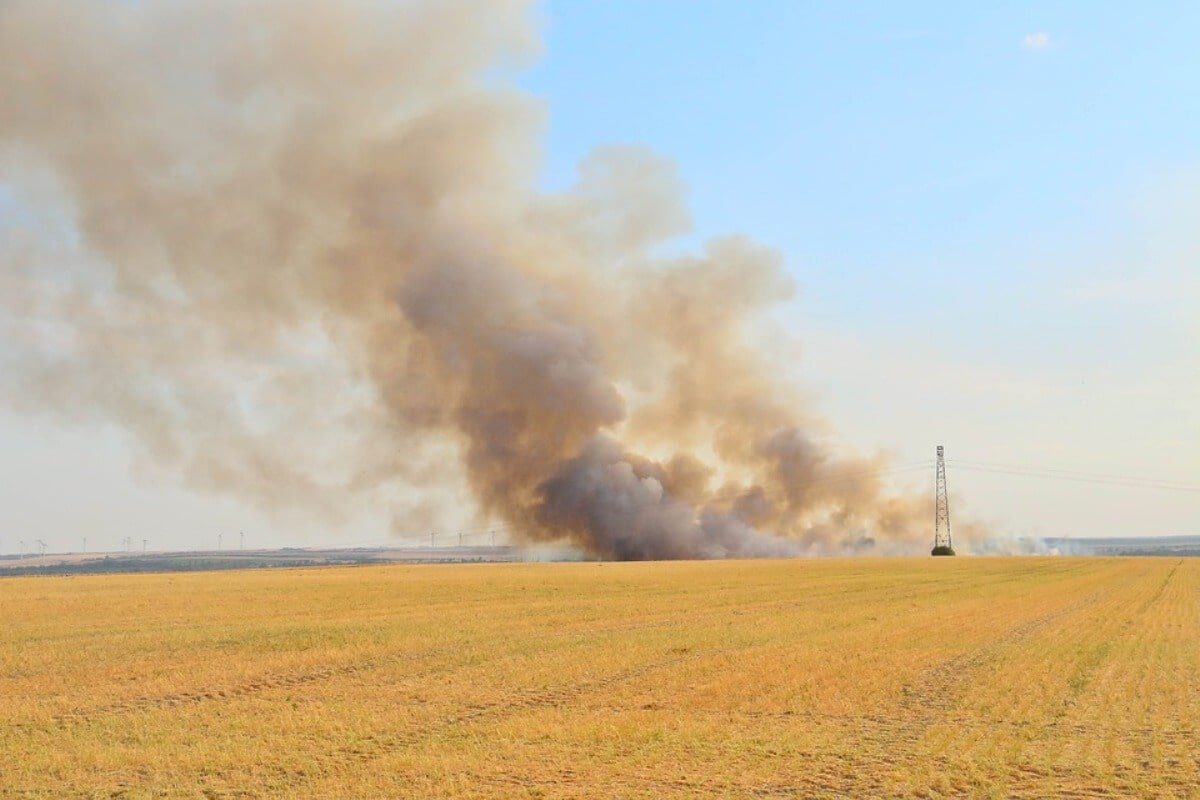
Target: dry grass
column 866, row 678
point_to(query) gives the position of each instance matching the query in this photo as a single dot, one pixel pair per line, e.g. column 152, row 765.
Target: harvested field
column 1035, row 677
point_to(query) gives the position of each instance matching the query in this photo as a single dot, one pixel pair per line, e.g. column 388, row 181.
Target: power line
column 1127, row 483
column 1078, row 473
column 432, row 538
column 429, row 539
column 828, row 479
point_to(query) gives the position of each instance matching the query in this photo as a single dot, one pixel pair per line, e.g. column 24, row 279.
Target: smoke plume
column 297, row 251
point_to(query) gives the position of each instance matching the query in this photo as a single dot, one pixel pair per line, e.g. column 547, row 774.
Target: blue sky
column 918, row 147
column 992, row 213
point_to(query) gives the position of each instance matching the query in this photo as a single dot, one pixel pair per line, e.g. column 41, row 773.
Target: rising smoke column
column 297, row 252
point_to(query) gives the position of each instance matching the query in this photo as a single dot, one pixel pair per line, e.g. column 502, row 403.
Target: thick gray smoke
column 296, row 250
column 618, row 506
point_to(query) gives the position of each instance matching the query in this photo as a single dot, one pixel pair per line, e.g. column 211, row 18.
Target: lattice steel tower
column 941, row 514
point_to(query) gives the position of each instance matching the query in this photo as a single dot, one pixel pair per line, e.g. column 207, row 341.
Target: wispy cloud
column 1038, row 40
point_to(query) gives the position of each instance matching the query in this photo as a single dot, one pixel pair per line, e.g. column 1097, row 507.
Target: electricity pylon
column 941, row 515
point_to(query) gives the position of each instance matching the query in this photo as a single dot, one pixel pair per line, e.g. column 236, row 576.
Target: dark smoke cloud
column 296, row 251
column 616, row 506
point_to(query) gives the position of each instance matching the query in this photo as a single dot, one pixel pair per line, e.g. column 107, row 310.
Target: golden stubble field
column 1034, row 677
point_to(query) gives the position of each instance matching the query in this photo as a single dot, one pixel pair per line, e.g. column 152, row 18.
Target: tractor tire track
column 372, row 748
column 262, row 684
column 286, row 680
column 886, row 742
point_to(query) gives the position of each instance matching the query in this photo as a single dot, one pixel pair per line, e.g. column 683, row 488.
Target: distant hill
column 1180, row 545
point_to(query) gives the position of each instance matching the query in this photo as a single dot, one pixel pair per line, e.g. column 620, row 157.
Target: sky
column 992, row 213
